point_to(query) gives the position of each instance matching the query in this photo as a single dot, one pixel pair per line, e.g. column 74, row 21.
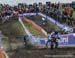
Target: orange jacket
column 2, row 54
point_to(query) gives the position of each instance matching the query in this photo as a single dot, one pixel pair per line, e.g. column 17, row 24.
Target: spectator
column 44, row 21
column 66, row 30
column 25, row 40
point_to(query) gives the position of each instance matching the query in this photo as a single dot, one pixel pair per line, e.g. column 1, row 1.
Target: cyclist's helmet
column 56, row 32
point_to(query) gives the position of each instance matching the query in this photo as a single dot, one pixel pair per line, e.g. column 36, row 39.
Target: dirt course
column 44, row 53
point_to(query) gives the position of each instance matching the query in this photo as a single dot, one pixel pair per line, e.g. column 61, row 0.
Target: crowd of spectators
column 5, row 11
column 60, row 12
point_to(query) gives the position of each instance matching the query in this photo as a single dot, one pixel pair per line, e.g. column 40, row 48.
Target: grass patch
column 38, row 20
column 19, row 31
column 12, row 32
column 12, row 28
column 74, row 14
column 32, row 30
column 5, row 39
column 54, row 26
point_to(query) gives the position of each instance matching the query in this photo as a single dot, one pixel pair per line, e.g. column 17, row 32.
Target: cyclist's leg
column 47, row 43
column 56, row 44
column 52, row 44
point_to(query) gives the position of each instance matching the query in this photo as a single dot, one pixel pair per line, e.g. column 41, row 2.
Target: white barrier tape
column 25, row 29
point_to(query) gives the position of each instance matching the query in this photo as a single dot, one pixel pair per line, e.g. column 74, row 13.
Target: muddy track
column 44, row 53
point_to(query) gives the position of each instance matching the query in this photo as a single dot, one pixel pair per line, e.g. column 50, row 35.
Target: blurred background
column 33, row 1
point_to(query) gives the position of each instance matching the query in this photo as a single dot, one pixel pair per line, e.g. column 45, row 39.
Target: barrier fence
column 66, row 40
column 47, row 17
